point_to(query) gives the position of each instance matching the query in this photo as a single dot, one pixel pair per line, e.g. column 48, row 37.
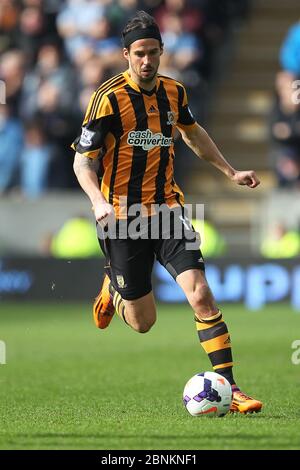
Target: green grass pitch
column 67, row 385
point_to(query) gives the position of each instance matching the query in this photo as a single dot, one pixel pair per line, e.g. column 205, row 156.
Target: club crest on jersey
column 147, row 140
column 171, row 118
column 86, row 137
column 120, row 281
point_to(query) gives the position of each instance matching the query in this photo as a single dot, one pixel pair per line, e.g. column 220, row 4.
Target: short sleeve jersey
column 132, row 131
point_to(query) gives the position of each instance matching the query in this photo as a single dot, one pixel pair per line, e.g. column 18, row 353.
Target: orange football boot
column 103, row 308
column 242, row 403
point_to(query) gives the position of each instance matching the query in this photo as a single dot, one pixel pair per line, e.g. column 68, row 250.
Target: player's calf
column 141, row 313
column 141, row 326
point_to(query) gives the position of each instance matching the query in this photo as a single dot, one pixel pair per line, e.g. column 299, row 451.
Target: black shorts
column 129, row 260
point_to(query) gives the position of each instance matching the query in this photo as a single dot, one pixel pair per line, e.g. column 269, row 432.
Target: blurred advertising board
column 253, row 282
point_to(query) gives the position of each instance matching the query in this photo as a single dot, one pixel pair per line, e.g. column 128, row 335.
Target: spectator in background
column 32, row 30
column 285, row 133
column 12, row 68
column 281, row 242
column 290, row 50
column 60, row 124
column 49, row 94
column 182, row 57
column 181, row 26
column 75, row 22
column 150, row 6
column 51, row 8
column 24, row 155
column 49, row 68
column 118, row 13
column 90, row 75
column 11, row 143
column 182, row 48
column 9, row 15
column 106, row 46
column 35, row 160
column 192, row 17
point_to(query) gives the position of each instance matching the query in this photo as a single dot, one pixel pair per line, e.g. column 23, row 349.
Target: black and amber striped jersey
column 132, row 131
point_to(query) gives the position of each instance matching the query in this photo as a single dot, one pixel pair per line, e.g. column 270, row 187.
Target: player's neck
column 148, row 86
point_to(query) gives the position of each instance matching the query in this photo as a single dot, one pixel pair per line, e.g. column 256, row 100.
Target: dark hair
column 141, row 20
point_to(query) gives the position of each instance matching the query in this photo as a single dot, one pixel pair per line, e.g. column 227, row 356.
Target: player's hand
column 246, row 178
column 103, row 212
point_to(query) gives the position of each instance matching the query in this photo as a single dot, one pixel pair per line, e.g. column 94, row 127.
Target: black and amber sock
column 215, row 340
column 118, row 303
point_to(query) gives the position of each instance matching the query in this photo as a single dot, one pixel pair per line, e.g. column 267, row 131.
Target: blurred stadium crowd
column 54, row 54
column 285, row 116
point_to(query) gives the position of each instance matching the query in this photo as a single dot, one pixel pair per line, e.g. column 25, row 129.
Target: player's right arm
column 88, row 146
column 85, row 169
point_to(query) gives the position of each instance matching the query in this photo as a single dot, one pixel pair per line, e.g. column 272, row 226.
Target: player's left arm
column 203, row 146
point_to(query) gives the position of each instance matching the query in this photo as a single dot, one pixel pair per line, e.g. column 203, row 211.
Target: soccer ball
column 207, row 394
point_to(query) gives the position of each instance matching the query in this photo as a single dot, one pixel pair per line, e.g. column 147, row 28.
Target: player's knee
column 199, row 296
column 202, row 300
